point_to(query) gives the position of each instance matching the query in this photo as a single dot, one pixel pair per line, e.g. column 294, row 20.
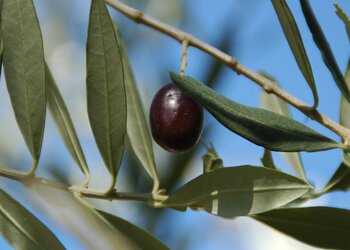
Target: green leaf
column 339, row 181
column 239, row 191
column 211, row 160
column 106, row 98
column 264, row 128
column 323, row 45
column 24, row 67
column 140, row 237
column 275, row 104
column 344, row 105
column 295, row 42
column 342, row 15
column 137, row 128
column 323, row 227
column 23, row 230
column 64, row 123
column 267, row 159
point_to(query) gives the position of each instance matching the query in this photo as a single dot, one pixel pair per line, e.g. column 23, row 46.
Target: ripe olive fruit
column 176, row 120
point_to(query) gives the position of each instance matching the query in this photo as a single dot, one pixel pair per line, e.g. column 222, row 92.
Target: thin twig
column 149, row 198
column 184, row 56
column 266, row 84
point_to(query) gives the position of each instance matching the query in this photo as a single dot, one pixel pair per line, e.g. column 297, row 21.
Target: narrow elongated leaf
column 344, row 105
column 323, row 227
column 339, row 181
column 275, row 104
column 295, row 42
column 137, row 128
column 64, row 123
column 140, row 237
column 239, row 191
column 211, row 160
column 342, row 15
column 105, row 87
column 270, row 130
column 323, row 45
column 24, row 67
column 267, row 159
column 23, row 230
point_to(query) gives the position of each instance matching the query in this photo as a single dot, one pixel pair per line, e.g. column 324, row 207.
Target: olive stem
column 179, row 35
column 185, row 43
column 22, row 177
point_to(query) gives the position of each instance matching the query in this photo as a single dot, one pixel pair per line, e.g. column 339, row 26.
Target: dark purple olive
column 176, row 119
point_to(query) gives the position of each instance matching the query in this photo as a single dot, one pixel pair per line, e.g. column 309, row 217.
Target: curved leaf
column 106, row 99
column 140, row 237
column 239, row 191
column 323, row 45
column 342, row 15
column 275, row 104
column 344, row 105
column 137, row 128
column 339, row 181
column 24, row 67
column 323, row 227
column 295, row 42
column 23, row 230
column 264, row 128
column 267, row 159
column 64, row 123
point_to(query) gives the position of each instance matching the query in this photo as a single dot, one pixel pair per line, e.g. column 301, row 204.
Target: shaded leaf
column 342, row 15
column 267, row 159
column 323, row 227
column 23, row 230
column 264, row 128
column 140, row 237
column 275, row 104
column 24, row 67
column 211, row 160
column 64, row 123
column 295, row 42
column 106, row 98
column 339, row 181
column 137, row 128
column 344, row 105
column 323, row 45
column 239, row 191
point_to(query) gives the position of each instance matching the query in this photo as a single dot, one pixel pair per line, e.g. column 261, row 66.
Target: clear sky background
column 254, row 37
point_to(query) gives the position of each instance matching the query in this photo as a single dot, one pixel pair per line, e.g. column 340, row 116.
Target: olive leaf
column 275, row 104
column 238, row 191
column 295, row 42
column 138, row 236
column 24, row 68
column 342, row 15
column 323, row 227
column 137, row 128
column 264, row 128
column 22, row 229
column 267, row 159
column 323, row 45
column 64, row 123
column 211, row 160
column 105, row 81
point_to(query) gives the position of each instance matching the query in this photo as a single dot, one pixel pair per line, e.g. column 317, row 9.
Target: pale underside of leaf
column 105, row 87
column 342, row 15
column 25, row 70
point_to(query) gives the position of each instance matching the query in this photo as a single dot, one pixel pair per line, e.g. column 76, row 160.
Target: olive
column 176, row 120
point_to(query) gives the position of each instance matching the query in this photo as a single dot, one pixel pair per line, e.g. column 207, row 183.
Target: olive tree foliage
column 114, row 107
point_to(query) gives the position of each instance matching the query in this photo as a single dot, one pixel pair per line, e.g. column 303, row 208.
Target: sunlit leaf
column 239, row 191
column 105, row 87
column 323, row 227
column 275, row 104
column 137, row 128
column 64, row 123
column 323, row 45
column 295, row 42
column 24, row 67
column 270, row 130
column 139, row 237
column 211, row 160
column 342, row 15
column 23, row 230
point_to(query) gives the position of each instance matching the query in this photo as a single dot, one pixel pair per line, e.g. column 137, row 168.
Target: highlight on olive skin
column 176, row 119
